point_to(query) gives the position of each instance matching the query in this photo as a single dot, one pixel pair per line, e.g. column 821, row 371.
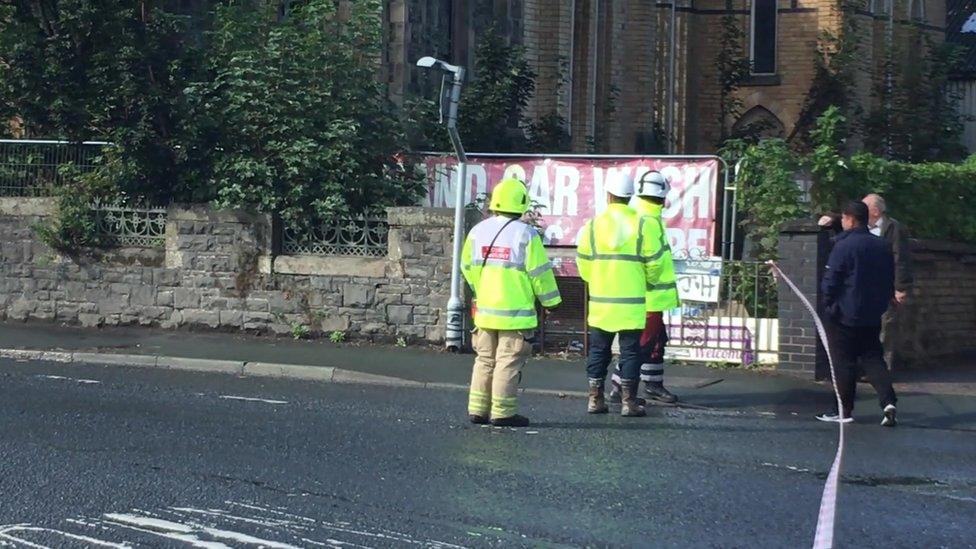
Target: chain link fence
column 33, row 168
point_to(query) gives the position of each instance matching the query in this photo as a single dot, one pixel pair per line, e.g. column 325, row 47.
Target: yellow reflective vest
column 614, row 258
column 663, row 294
column 510, row 276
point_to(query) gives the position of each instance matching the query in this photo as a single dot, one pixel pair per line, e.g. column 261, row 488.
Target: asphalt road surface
column 114, row 457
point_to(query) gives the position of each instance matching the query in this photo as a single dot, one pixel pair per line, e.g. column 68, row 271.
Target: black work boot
column 595, row 403
column 479, row 420
column 511, row 421
column 628, row 396
column 656, row 391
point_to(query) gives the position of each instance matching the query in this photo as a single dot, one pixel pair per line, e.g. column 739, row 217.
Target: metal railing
column 350, row 236
column 127, row 226
column 33, row 168
column 740, row 326
column 732, row 320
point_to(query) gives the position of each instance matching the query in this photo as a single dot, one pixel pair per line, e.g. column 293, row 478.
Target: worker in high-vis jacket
column 615, row 258
column 652, row 189
column 505, row 263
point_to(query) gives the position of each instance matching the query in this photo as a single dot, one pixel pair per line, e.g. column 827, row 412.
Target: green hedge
column 935, row 200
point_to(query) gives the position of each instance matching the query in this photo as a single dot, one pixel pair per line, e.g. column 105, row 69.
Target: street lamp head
column 430, row 62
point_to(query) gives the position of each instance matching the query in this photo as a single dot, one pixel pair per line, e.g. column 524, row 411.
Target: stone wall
column 937, row 324
column 216, row 271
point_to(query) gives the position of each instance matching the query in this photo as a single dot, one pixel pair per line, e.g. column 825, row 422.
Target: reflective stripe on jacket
column 662, row 295
column 614, row 258
column 516, row 272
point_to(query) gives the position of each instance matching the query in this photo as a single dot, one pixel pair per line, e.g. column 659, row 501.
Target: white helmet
column 653, row 184
column 621, row 185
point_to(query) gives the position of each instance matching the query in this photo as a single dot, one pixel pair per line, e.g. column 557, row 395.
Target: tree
column 832, row 83
column 492, row 106
column 915, row 120
column 304, row 129
column 77, row 70
column 491, row 115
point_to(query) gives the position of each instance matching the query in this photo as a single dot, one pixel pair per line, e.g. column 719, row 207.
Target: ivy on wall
column 733, row 68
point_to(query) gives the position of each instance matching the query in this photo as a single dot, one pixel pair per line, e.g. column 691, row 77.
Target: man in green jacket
column 652, row 190
column 505, row 263
column 614, row 259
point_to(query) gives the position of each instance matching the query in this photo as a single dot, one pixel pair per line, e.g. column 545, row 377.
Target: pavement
column 943, row 398
column 97, row 455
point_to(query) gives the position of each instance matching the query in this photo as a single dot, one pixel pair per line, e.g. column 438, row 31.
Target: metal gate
column 738, row 323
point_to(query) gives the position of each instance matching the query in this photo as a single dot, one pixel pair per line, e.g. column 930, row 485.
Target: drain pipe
column 670, row 115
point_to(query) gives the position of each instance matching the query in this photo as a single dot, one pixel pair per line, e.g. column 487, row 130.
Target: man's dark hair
column 858, row 210
column 614, row 199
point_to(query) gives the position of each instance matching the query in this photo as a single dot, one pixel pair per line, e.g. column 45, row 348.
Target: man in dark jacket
column 888, row 228
column 857, row 289
column 895, row 234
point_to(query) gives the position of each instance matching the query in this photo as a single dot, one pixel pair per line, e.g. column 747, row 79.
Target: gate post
column 803, row 249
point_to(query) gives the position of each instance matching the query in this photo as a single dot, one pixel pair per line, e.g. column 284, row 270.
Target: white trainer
column 889, row 419
column 834, row 417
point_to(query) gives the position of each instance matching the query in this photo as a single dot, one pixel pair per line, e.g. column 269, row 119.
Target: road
column 114, row 457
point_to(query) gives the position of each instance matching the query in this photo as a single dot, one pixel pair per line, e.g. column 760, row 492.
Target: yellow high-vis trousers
column 494, row 381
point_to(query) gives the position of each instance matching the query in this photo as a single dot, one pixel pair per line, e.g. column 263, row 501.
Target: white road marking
column 19, row 541
column 244, row 538
column 82, row 381
column 16, row 540
column 209, row 529
column 163, row 528
column 787, row 467
column 268, row 523
column 86, row 539
column 227, row 534
column 335, row 526
column 249, row 399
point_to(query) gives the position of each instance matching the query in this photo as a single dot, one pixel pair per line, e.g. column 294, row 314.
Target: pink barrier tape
column 827, row 520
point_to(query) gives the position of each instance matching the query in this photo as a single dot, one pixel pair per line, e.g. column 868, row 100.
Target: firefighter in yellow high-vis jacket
column 652, row 190
column 615, row 257
column 505, row 263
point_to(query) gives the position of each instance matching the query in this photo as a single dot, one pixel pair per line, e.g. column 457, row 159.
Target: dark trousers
column 653, row 340
column 600, row 354
column 857, row 350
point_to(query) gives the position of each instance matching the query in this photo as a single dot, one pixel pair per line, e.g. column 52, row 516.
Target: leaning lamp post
column 449, row 108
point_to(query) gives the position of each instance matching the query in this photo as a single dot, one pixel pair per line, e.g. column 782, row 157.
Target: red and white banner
column 570, row 191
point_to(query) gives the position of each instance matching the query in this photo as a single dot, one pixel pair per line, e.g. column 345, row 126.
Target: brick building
column 606, row 67
column 961, row 31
